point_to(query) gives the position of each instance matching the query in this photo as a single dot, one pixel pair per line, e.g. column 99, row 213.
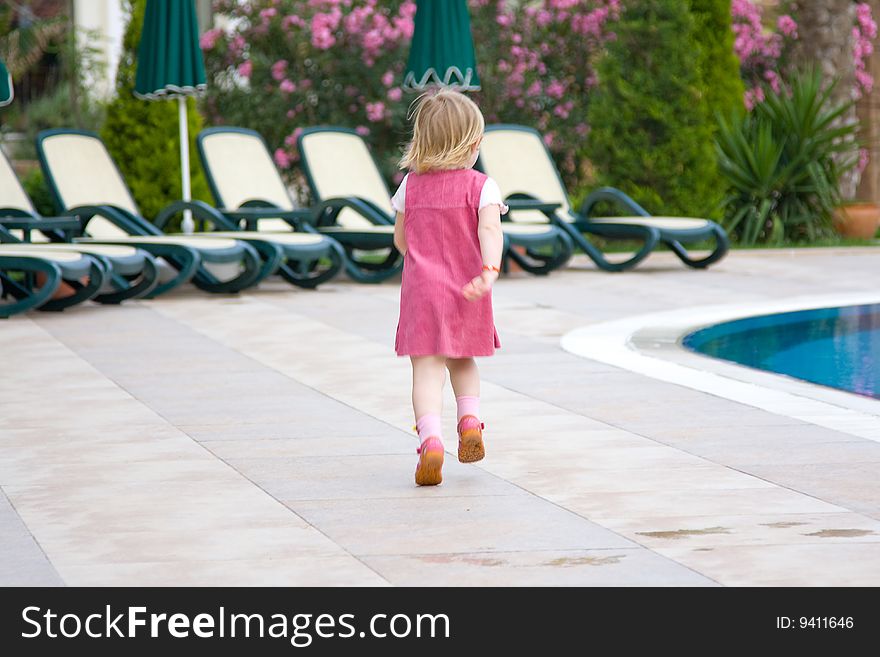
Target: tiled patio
column 265, row 439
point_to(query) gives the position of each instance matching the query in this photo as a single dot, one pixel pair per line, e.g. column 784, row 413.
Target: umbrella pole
column 188, row 224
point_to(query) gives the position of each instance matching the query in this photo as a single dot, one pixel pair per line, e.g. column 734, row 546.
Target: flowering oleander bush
column 282, row 65
column 864, row 34
column 764, row 49
column 537, row 67
column 342, row 62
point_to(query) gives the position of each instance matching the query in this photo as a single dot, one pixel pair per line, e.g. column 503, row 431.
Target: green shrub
column 720, row 79
column 143, row 136
column 35, row 185
column 651, row 130
column 783, row 163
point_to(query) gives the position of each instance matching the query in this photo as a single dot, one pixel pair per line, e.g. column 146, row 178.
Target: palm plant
column 784, row 162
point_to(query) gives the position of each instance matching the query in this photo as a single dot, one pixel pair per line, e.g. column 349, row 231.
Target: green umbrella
column 442, row 50
column 6, row 90
column 170, row 65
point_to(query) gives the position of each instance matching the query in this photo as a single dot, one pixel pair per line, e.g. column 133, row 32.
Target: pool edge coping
column 650, row 345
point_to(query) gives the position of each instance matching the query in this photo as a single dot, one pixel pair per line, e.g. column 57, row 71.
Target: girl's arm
column 399, row 237
column 491, row 246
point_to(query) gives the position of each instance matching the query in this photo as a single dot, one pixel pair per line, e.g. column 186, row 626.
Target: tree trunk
column 825, row 40
column 869, row 115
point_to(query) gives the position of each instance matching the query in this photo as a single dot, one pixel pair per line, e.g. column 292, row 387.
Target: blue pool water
column 835, row 347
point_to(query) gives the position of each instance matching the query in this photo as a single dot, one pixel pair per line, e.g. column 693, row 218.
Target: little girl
column 448, row 228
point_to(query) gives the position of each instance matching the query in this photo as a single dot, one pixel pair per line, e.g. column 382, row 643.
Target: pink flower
column 266, row 14
column 555, row 89
column 246, row 68
column 279, row 69
column 388, row 78
column 322, row 38
column 287, row 86
column 373, row 41
column 395, row 94
column 292, row 20
column 787, row 26
column 290, row 140
column 323, row 26
column 209, row 38
column 236, row 45
column 375, row 111
column 362, row 130
column 754, row 97
column 291, row 114
column 865, row 81
column 562, row 111
column 548, row 138
column 281, row 158
column 774, row 80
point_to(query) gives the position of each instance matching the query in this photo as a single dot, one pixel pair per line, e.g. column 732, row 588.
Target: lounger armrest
column 611, row 195
column 16, row 213
column 523, row 201
column 199, row 209
column 59, row 223
column 326, row 211
column 71, row 226
column 117, row 216
column 252, row 215
column 541, row 206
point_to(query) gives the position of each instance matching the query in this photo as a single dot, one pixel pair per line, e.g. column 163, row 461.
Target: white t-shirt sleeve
column 398, row 201
column 491, row 195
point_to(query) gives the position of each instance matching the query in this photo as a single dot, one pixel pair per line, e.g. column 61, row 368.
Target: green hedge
column 720, row 79
column 652, row 133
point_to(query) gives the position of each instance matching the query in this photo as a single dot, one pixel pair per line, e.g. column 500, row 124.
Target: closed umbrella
column 442, row 50
column 6, row 90
column 170, row 65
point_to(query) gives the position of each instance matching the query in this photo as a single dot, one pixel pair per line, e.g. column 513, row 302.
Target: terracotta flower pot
column 857, row 220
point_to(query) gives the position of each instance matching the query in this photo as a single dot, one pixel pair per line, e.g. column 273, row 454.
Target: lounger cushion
column 663, row 223
column 341, row 166
column 518, row 161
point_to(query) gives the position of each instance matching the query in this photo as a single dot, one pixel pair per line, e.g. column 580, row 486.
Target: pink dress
column 443, row 255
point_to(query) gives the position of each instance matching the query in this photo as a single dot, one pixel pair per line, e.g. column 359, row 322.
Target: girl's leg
column 466, row 383
column 429, row 375
column 465, row 379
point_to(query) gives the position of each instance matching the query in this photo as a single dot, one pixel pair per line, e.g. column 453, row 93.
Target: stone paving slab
column 744, row 530
column 506, row 523
column 23, row 562
column 839, row 564
column 613, row 567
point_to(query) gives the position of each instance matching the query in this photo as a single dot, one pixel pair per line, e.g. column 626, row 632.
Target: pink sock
column 468, row 405
column 428, row 425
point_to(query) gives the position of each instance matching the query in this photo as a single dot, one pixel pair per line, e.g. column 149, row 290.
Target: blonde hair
column 446, row 125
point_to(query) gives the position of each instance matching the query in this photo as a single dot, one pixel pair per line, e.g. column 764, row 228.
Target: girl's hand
column 480, row 286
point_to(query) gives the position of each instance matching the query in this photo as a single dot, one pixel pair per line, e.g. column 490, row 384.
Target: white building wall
column 104, row 21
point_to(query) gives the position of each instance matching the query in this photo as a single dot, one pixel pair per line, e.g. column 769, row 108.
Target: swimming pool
column 834, row 347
